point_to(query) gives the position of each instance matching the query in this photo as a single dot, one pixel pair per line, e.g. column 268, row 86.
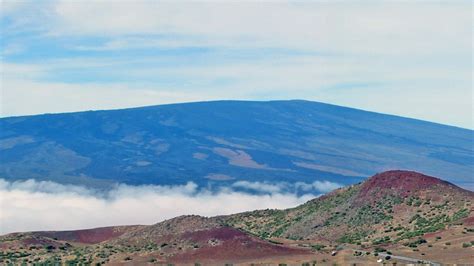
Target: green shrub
column 379, row 249
column 463, row 213
column 317, row 246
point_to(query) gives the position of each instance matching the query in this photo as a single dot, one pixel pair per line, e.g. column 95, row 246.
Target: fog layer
column 42, row 205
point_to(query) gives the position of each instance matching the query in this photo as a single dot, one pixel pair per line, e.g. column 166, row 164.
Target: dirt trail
column 408, row 259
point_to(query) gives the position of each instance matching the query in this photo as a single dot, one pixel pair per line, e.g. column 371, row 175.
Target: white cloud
column 321, row 186
column 258, row 186
column 39, row 205
column 325, row 186
column 44, row 187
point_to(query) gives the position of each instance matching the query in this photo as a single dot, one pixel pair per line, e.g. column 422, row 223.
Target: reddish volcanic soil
column 469, row 221
column 231, row 245
column 400, row 183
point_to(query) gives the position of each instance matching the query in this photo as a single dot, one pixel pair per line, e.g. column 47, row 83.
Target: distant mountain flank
column 217, row 143
column 403, row 213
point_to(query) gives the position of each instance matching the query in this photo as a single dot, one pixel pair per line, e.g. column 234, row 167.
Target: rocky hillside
column 387, row 208
column 397, row 210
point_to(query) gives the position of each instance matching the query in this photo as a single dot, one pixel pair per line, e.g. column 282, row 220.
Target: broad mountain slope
column 224, row 141
column 408, row 213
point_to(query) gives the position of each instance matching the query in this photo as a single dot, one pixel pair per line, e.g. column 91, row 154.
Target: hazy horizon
column 407, row 59
column 224, row 100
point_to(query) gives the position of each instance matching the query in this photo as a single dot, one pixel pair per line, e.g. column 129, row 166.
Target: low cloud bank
column 285, row 187
column 42, row 205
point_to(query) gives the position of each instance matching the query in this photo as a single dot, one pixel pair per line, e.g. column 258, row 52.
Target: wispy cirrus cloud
column 364, row 55
column 341, row 26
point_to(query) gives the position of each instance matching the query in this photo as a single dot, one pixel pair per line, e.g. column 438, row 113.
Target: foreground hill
column 388, row 207
column 224, row 141
column 404, row 215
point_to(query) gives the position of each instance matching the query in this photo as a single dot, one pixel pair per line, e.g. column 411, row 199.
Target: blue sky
column 407, row 58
